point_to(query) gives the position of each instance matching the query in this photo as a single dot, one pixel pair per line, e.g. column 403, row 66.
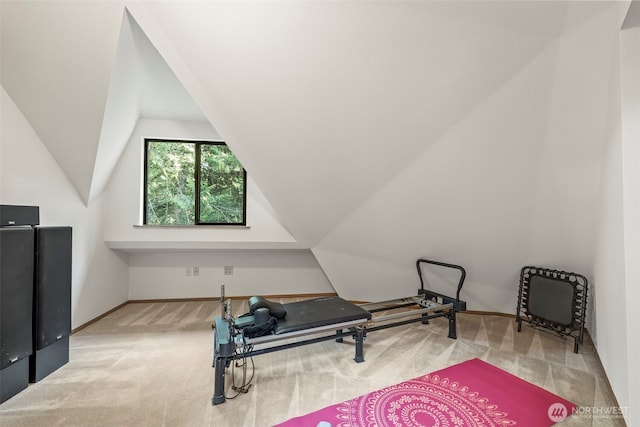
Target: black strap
column 260, row 330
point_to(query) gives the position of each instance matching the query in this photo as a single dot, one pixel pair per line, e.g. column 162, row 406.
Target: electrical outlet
column 228, row 270
column 189, row 272
column 196, row 271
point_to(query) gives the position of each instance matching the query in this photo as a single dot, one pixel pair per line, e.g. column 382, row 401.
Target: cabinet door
column 16, row 293
column 52, row 285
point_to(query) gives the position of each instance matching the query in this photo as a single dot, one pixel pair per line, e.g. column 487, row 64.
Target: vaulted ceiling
column 379, row 131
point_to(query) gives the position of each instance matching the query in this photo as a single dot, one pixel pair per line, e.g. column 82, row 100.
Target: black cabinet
column 19, row 215
column 51, row 301
column 35, row 298
column 16, row 312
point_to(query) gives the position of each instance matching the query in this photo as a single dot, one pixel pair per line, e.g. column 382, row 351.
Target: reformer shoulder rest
column 275, row 308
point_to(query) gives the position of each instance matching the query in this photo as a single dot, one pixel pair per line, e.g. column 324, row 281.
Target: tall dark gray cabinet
column 51, row 301
column 16, row 311
column 35, row 298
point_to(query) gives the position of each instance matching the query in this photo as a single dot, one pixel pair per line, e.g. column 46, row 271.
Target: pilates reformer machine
column 270, row 326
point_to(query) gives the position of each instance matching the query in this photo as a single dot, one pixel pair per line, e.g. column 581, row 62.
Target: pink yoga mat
column 469, row 394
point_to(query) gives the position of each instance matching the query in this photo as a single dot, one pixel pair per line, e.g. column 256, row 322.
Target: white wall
column 616, row 266
column 608, row 287
column 104, row 278
column 155, row 275
column 267, row 259
column 513, row 183
column 124, row 207
column 630, row 89
column 31, row 176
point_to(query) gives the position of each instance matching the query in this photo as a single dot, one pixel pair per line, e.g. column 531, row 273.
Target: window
column 193, row 182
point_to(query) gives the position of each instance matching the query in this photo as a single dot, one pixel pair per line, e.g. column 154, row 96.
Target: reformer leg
column 452, row 324
column 425, row 319
column 359, row 337
column 218, row 388
column 339, row 335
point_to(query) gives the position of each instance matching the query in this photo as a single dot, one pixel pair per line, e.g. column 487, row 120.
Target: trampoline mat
column 318, row 312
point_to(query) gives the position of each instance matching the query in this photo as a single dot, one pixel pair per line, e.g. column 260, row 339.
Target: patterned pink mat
column 470, row 394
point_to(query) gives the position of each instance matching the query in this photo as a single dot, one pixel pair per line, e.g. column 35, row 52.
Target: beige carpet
column 149, row 364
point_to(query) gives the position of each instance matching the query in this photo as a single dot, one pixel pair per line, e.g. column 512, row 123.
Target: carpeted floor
column 149, row 364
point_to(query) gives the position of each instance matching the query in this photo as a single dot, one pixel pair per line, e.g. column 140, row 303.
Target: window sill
column 199, row 246
column 234, row 227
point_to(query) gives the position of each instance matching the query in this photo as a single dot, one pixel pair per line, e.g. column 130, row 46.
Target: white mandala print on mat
column 426, row 401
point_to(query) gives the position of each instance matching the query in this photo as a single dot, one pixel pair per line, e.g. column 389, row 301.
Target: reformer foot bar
column 317, row 317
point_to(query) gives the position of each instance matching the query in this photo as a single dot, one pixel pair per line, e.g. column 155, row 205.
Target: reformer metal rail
column 416, row 309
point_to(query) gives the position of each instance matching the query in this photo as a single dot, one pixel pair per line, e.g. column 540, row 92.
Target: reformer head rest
column 275, row 308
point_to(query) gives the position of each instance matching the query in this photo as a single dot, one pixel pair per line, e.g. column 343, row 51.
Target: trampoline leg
column 452, row 324
column 339, row 335
column 519, row 324
column 218, row 391
column 359, row 336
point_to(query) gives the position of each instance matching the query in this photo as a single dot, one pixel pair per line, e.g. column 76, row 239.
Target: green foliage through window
column 189, row 182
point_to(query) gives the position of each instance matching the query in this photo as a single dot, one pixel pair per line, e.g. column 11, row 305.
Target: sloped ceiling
column 142, row 86
column 632, row 19
column 84, row 73
column 324, row 102
column 512, row 183
column 56, row 64
column 379, row 131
